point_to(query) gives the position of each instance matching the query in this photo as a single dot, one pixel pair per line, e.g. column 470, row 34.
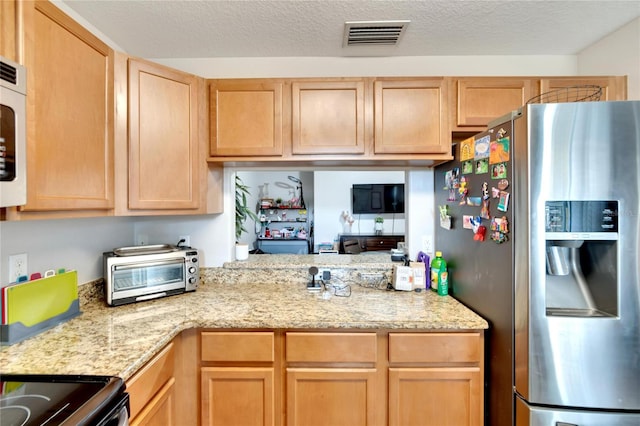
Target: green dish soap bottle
column 439, row 275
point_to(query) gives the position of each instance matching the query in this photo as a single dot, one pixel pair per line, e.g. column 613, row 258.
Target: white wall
column 332, row 194
column 79, row 243
column 64, row 243
column 616, row 54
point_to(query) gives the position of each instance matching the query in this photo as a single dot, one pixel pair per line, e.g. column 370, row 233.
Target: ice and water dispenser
column 581, row 258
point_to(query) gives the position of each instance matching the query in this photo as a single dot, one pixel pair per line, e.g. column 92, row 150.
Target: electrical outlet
column 427, row 244
column 17, row 266
column 186, row 238
column 323, row 275
column 142, row 239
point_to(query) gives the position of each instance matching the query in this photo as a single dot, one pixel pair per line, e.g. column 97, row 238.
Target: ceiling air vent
column 373, row 33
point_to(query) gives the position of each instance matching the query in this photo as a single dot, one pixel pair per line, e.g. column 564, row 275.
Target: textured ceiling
column 270, row 28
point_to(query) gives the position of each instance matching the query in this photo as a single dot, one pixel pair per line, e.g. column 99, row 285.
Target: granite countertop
column 370, row 260
column 119, row 340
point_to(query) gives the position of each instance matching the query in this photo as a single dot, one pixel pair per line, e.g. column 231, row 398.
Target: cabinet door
column 481, row 100
column 69, row 113
column 332, row 396
column 410, row 116
column 237, row 396
column 246, row 118
column 8, row 15
column 613, row 88
column 327, row 117
column 163, row 138
column 435, row 396
column 160, row 411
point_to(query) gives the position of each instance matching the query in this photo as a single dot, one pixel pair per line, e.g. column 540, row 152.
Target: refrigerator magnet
column 474, row 201
column 484, row 210
column 482, row 166
column 495, row 192
column 467, row 149
column 445, row 219
column 466, row 221
column 503, row 201
column 499, row 229
column 498, row 171
column 467, row 167
column 479, row 233
column 485, row 191
column 482, row 148
column 463, row 190
column 499, row 151
column 503, row 184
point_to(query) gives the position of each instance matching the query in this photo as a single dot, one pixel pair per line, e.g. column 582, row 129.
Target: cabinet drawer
column 380, row 243
column 435, row 347
column 331, row 347
column 238, row 346
column 150, row 379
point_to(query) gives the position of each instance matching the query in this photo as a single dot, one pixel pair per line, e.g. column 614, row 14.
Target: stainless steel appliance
column 562, row 293
column 13, row 149
column 138, row 273
column 30, row 400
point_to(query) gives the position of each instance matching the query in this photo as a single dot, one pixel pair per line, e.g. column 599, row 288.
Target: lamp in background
column 299, row 182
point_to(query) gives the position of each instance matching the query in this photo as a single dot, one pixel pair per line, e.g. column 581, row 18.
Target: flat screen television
column 378, row 198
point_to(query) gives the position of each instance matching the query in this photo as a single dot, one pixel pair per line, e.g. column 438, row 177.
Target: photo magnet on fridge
column 467, row 167
column 499, row 171
column 482, row 166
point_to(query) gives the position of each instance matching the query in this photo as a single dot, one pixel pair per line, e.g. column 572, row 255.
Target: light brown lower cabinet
column 152, row 390
column 237, row 396
column 436, row 379
column 443, row 396
column 238, row 378
column 312, row 378
column 160, row 410
column 332, row 396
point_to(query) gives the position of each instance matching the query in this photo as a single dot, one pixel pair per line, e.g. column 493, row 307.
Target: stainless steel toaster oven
column 134, row 274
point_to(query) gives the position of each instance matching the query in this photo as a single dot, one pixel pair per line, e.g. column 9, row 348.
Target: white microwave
column 13, row 139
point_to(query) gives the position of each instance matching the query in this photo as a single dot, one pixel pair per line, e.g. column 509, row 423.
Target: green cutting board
column 35, row 301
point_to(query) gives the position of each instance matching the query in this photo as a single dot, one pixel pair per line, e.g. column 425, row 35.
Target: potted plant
column 379, row 220
column 278, row 202
column 242, row 213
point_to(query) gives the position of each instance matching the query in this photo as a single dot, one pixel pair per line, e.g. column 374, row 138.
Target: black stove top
column 41, row 400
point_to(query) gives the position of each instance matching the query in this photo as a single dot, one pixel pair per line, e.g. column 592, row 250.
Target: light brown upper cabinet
column 327, row 117
column 614, row 88
column 8, row 23
column 411, row 116
column 246, row 117
column 69, row 114
column 479, row 100
column 164, row 153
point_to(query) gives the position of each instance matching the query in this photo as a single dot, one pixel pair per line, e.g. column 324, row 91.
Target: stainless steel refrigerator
column 555, row 273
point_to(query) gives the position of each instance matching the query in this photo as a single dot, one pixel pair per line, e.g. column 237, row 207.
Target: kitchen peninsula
column 245, row 319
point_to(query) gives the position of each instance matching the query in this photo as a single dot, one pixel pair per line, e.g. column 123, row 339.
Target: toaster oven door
column 142, row 281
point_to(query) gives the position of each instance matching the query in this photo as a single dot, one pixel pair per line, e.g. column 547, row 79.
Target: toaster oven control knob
column 194, row 260
column 192, row 270
column 192, row 280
